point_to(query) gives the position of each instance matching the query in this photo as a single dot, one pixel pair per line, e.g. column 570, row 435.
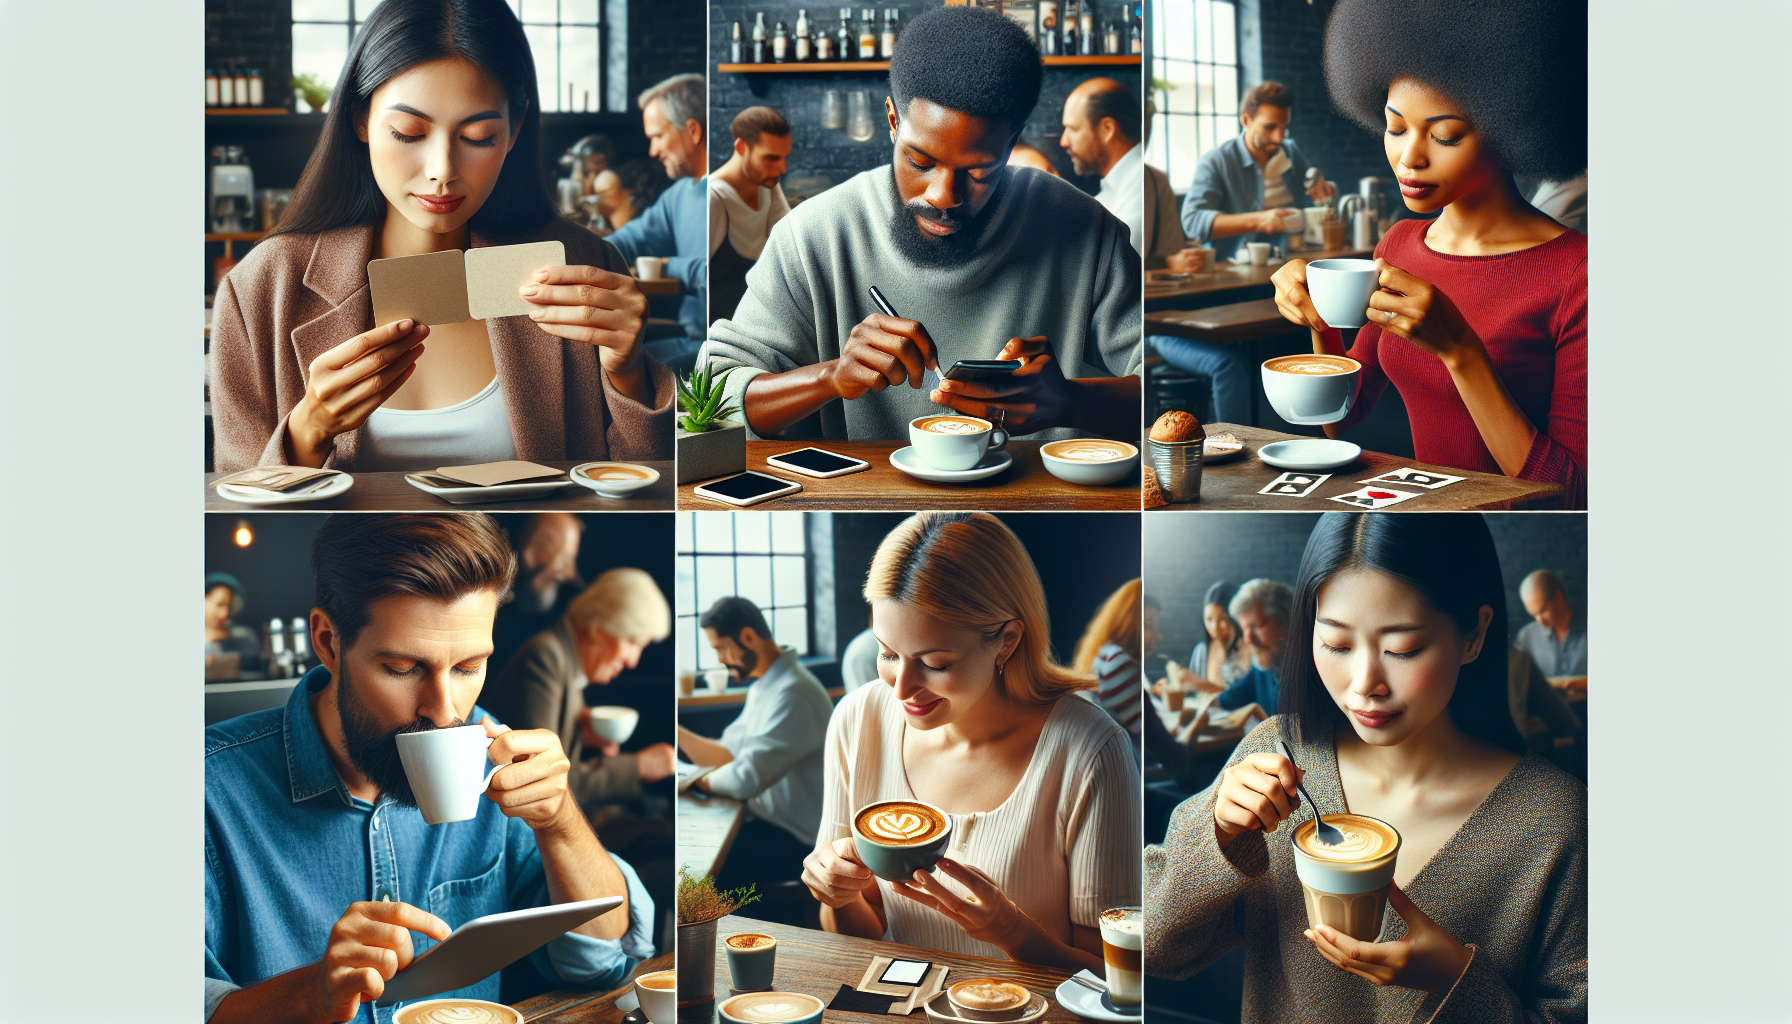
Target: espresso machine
column 1371, row 212
column 229, row 192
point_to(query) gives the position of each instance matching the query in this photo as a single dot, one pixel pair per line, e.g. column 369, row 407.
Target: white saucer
column 1310, row 454
column 613, row 488
column 329, row 488
column 497, row 492
column 1086, row 1002
column 906, row 460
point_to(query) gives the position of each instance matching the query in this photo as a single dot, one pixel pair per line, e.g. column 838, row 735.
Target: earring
column 999, row 667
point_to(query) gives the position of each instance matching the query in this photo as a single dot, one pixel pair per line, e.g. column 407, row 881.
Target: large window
column 566, row 37
column 1194, row 67
column 761, row 556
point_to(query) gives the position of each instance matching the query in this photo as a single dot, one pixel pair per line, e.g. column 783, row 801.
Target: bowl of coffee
column 771, row 1008
column 612, row 722
column 1346, row 885
column 658, row 994
column 1122, row 953
column 951, row 443
column 989, row 999
column 1311, row 389
column 614, row 479
column 1089, row 461
column 457, row 1011
column 896, row 838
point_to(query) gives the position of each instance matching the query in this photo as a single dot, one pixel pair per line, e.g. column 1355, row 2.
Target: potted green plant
column 311, row 88
column 700, row 906
column 709, row 444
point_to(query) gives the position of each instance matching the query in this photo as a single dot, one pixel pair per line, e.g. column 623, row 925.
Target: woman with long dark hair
column 1394, row 703
column 1481, row 318
column 432, row 143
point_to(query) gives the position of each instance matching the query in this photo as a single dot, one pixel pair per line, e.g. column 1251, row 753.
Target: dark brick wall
column 252, row 34
column 1292, row 33
column 1188, row 551
column 665, row 38
column 818, row 150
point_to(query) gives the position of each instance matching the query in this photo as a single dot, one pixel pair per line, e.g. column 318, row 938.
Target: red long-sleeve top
column 1530, row 310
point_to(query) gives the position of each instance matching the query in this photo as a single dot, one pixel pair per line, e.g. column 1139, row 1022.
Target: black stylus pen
column 884, row 306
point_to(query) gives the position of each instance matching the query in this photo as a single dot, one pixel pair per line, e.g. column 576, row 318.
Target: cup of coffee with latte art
column 658, row 994
column 613, row 723
column 950, row 442
column 1346, row 886
column 1340, row 290
column 989, row 999
column 1122, row 950
column 752, row 960
column 896, row 838
column 771, row 1008
column 1089, row 461
column 1311, row 389
column 457, row 1011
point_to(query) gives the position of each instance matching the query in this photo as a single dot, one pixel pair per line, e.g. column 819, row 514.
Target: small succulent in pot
column 700, row 399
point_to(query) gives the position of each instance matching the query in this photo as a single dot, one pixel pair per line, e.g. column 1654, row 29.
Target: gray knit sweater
column 1051, row 262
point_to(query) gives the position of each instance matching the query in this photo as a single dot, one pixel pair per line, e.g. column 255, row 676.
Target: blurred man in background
column 745, row 201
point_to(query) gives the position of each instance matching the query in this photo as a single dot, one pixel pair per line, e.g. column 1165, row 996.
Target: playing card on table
column 1373, row 497
column 1411, row 477
column 1295, row 485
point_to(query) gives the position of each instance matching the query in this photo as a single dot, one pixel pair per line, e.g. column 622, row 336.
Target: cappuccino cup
column 1090, row 461
column 989, row 999
column 1122, row 953
column 752, row 960
column 1311, row 389
column 1346, row 886
column 950, row 442
column 896, row 838
column 613, row 723
column 771, row 1008
column 658, row 995
column 649, row 268
column 1340, row 290
column 447, row 770
column 1257, row 253
column 457, row 1011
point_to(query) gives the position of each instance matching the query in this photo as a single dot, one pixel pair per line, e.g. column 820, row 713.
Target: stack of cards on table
column 1377, row 493
column 495, row 474
column 277, row 479
column 451, row 287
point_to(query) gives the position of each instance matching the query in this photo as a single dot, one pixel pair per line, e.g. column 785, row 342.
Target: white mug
column 613, row 723
column 1340, row 290
column 716, row 679
column 649, row 268
column 952, row 452
column 1259, row 253
column 660, row 1005
column 447, row 770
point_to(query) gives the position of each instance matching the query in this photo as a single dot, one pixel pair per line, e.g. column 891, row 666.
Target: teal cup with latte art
column 896, row 838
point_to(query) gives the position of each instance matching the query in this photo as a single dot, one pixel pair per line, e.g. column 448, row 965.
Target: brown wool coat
column 295, row 297
column 1511, row 884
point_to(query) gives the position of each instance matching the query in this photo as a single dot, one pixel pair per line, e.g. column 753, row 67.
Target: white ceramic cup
column 447, row 771
column 612, row 722
column 716, row 679
column 1340, row 290
column 1314, row 216
column 649, row 268
column 953, row 452
column 1312, row 398
column 1294, row 222
column 1259, row 253
column 659, row 1004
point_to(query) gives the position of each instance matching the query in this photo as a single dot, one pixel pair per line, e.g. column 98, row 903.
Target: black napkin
column 851, row 1000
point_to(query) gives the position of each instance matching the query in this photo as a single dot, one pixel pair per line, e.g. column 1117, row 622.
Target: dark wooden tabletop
column 817, row 963
column 706, row 831
column 1233, row 486
column 1224, row 325
column 389, row 492
column 1024, row 486
column 575, row 1007
column 1227, row 276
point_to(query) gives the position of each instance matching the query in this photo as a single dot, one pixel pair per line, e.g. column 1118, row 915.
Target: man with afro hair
column 998, row 262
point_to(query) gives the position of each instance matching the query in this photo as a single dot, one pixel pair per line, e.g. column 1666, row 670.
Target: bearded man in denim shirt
column 322, row 880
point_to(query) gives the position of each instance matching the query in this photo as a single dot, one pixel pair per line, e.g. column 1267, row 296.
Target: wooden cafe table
column 1026, row 485
column 1225, row 277
column 569, row 1006
column 390, row 492
column 706, row 831
column 1233, row 485
column 817, row 963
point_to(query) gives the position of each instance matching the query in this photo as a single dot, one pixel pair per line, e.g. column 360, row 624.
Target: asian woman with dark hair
column 1394, row 704
column 1480, row 321
column 432, row 143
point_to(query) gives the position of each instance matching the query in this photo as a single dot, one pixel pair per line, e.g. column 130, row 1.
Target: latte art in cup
column 457, row 1011
column 1090, row 450
column 1314, row 365
column 900, row 823
column 952, row 425
column 616, row 473
column 772, row 1007
column 1346, row 886
column 750, row 941
column 1365, row 839
column 989, row 999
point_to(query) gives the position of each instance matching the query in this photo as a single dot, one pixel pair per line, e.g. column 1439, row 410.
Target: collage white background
column 100, row 517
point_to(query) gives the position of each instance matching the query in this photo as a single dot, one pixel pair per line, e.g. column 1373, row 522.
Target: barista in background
column 1245, row 185
column 230, row 649
column 745, row 201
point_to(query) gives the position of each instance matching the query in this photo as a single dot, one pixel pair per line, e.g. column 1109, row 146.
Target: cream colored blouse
column 1063, row 846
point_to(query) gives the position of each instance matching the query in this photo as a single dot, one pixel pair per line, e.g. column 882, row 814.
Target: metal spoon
column 1326, row 834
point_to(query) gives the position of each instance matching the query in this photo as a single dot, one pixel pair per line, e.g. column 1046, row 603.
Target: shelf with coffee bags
column 881, row 66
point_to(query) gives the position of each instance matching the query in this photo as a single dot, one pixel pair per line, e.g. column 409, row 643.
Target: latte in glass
column 1346, row 886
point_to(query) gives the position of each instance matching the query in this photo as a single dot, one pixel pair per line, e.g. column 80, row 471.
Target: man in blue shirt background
column 675, row 115
column 322, row 880
column 1246, row 184
column 1261, row 608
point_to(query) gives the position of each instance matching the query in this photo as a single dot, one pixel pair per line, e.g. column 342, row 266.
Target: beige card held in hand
column 490, row 474
column 430, row 289
column 497, row 273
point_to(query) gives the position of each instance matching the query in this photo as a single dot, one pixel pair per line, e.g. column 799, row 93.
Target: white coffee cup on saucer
column 1340, row 289
column 951, row 442
column 447, row 770
column 649, row 268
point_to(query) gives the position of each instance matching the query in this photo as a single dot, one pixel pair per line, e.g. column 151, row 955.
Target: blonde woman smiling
column 976, row 719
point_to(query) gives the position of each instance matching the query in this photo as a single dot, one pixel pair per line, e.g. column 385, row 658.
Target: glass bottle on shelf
column 1067, row 29
column 887, row 45
column 1087, row 42
column 211, row 88
column 824, row 45
column 1110, row 40
column 859, row 126
column 241, row 87
column 781, row 44
column 1048, row 28
column 1136, row 42
column 801, row 43
column 255, row 90
column 867, row 34
column 734, row 45
column 759, row 38
column 846, row 44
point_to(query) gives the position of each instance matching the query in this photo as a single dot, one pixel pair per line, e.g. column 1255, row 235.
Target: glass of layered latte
column 1122, row 952
column 1346, row 886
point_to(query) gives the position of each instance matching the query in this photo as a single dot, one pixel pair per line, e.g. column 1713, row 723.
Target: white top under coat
column 467, row 433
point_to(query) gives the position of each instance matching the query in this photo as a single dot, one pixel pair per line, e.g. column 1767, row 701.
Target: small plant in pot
column 311, row 88
column 700, row 906
column 709, row 444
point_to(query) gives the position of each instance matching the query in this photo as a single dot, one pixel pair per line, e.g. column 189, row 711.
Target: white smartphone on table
column 749, row 488
column 817, row 462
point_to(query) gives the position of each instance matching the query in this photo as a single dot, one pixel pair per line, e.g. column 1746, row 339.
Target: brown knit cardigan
column 1511, row 884
column 295, row 297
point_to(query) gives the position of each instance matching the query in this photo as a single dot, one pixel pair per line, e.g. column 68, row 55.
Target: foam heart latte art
column 900, row 823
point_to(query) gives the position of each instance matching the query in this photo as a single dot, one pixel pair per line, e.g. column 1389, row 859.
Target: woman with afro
column 1480, row 321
